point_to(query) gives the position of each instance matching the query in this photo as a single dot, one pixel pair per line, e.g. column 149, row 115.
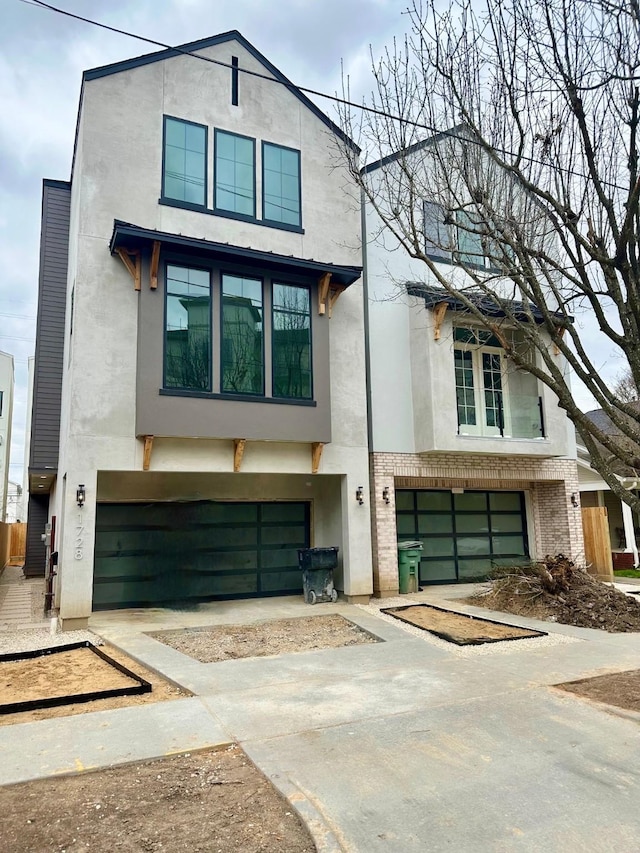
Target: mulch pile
column 557, row 591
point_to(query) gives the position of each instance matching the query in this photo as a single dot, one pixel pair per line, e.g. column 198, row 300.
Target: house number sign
column 78, row 552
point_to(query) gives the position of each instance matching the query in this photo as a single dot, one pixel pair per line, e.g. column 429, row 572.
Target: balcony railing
column 524, row 418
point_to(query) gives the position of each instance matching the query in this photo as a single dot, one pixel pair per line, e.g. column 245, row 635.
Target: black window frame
column 276, row 222
column 216, row 270
column 221, row 211
column 168, row 262
column 306, row 287
column 255, row 277
column 448, row 224
column 164, row 198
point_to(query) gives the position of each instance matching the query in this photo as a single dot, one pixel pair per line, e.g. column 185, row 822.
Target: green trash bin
column 408, row 562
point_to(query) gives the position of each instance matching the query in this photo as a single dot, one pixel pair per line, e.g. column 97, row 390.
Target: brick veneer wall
column 550, row 482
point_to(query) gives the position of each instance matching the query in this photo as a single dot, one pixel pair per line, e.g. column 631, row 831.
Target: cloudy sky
column 42, row 56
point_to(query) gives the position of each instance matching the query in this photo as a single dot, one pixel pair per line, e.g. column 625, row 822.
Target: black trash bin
column 317, row 566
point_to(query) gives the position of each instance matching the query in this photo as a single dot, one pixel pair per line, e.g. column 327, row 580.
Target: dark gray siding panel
column 52, row 295
column 36, row 555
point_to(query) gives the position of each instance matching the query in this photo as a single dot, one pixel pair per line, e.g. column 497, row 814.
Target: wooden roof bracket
column 153, row 271
column 146, row 456
column 323, row 291
column 560, row 330
column 238, row 452
column 439, row 312
column 334, row 292
column 133, row 266
column 316, row 455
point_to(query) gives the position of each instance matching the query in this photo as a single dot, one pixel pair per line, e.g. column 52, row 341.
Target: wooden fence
column 597, row 542
column 13, row 541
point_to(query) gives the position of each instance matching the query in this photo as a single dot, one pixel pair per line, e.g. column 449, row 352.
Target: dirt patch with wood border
column 77, row 671
column 263, row 639
column 459, row 628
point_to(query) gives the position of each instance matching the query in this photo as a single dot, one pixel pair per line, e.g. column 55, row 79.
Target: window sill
column 238, row 398
column 499, row 437
column 228, row 214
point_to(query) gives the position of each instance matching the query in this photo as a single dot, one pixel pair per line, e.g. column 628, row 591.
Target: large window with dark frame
column 291, row 342
column 235, row 174
column 187, row 361
column 280, row 184
column 198, row 300
column 242, row 335
column 184, row 176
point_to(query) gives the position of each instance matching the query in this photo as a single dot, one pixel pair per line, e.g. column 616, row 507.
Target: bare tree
column 518, row 125
column 625, row 388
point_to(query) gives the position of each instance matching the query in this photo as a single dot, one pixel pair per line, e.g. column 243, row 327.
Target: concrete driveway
column 407, row 744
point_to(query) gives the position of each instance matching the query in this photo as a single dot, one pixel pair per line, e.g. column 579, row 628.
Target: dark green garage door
column 463, row 535
column 161, row 553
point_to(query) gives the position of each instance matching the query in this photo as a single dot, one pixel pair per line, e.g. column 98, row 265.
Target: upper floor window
column 291, row 342
column 492, row 400
column 184, row 175
column 250, row 340
column 280, row 184
column 235, row 189
column 1, row 393
column 457, row 238
column 187, row 347
column 242, row 338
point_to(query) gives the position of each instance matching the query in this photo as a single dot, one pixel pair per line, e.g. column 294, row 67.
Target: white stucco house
column 7, row 382
column 211, row 389
column 469, row 456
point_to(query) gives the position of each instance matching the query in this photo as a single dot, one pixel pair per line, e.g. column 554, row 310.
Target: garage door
column 160, row 553
column 463, row 535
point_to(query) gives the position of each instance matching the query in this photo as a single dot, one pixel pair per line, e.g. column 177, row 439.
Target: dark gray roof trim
column 130, row 236
column 60, row 185
column 456, row 132
column 520, row 310
column 193, row 46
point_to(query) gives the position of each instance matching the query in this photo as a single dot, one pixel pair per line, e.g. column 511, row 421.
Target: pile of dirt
column 557, row 591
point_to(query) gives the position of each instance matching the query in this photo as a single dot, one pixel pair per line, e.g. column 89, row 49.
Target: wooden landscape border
column 141, row 685
column 456, row 640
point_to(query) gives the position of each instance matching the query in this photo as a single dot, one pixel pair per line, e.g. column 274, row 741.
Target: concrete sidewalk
column 407, row 744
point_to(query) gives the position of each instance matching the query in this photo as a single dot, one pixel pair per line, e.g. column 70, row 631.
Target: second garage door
column 463, row 535
column 157, row 553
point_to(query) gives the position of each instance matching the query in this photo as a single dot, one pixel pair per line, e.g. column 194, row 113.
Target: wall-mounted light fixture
column 385, row 494
column 574, row 499
column 360, row 495
column 80, row 495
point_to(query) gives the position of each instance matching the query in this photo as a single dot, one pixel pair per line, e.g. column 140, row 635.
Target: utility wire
column 293, row 87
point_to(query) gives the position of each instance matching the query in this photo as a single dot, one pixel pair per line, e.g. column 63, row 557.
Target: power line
column 18, row 316
column 293, row 87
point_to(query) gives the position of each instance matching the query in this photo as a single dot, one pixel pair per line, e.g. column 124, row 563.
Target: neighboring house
column 469, row 455
column 14, row 503
column 212, row 407
column 623, row 522
column 6, row 412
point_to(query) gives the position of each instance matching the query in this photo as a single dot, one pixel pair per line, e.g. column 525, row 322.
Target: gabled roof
column 457, row 132
column 194, row 46
column 436, row 295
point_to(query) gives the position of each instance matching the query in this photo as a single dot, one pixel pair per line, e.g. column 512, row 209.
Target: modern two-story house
column 470, row 456
column 213, row 405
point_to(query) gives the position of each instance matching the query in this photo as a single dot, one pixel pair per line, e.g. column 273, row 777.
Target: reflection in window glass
column 235, row 178
column 184, row 161
column 291, row 342
column 281, row 184
column 242, row 350
column 187, row 328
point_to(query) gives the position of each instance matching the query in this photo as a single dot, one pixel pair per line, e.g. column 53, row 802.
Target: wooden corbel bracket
column 148, row 447
column 131, row 259
column 324, row 283
column 334, row 292
column 153, row 271
column 238, row 452
column 560, row 333
column 316, row 455
column 439, row 312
